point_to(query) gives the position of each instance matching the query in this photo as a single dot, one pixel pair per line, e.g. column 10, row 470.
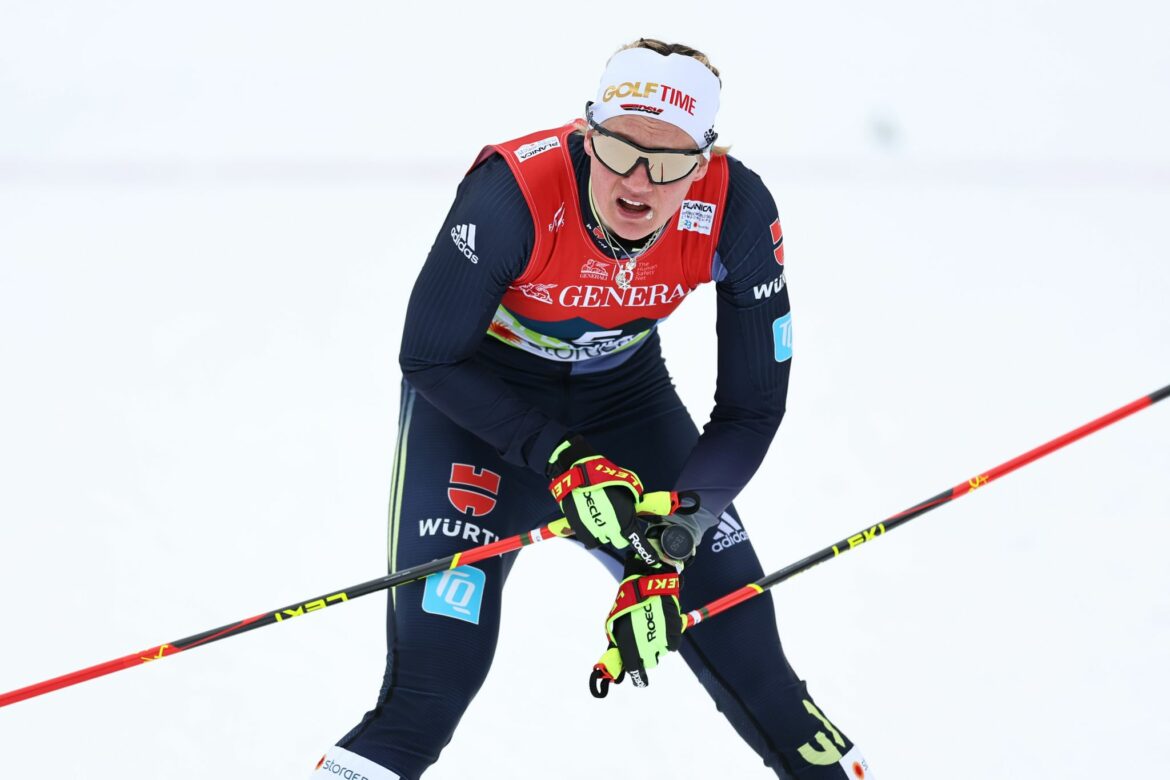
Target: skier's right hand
column 598, row 498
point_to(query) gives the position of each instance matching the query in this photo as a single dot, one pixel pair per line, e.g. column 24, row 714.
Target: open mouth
column 633, row 208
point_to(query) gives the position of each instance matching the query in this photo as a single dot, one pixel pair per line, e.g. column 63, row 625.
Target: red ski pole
column 557, row 528
column 601, row 677
column 658, row 502
column 754, row 589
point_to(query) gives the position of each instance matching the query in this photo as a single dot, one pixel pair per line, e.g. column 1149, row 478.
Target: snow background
column 210, row 219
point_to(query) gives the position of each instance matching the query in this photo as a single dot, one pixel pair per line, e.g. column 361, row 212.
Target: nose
column 638, row 180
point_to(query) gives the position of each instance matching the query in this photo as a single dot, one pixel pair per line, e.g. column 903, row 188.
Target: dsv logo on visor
column 621, row 156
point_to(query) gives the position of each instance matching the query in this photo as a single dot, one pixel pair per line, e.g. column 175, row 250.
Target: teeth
column 631, row 202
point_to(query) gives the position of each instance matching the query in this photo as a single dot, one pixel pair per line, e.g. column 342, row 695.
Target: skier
column 530, row 353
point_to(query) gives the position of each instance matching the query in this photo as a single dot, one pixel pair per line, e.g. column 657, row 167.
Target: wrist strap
column 637, row 589
column 592, row 472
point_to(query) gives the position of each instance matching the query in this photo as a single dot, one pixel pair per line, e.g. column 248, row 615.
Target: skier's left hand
column 643, row 625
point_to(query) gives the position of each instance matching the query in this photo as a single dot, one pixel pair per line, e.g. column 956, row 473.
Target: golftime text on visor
column 669, row 95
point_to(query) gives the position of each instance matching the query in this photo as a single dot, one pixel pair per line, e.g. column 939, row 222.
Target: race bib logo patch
column 727, row 534
column 343, row 764
column 558, row 220
column 456, row 593
column 537, row 292
column 768, row 289
column 655, row 110
column 777, row 242
column 855, row 766
column 464, row 238
column 473, row 502
column 696, row 216
column 459, row 529
column 528, row 151
column 782, row 337
column 596, row 269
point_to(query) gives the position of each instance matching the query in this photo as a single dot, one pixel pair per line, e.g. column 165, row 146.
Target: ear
column 701, row 171
column 585, row 131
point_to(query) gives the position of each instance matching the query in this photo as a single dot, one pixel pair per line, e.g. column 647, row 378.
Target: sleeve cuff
column 544, row 444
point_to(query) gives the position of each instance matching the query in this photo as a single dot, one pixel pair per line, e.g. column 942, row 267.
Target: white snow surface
column 210, row 220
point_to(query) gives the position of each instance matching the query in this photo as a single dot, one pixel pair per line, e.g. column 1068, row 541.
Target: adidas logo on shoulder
column 464, row 238
column 727, row 534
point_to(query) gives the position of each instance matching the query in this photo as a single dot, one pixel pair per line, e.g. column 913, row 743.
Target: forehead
column 650, row 133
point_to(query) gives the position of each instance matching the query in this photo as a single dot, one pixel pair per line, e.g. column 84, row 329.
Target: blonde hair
column 667, row 49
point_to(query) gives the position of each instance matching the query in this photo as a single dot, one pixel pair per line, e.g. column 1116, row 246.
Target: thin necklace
column 625, row 274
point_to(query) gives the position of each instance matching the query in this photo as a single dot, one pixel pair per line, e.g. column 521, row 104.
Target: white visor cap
column 677, row 89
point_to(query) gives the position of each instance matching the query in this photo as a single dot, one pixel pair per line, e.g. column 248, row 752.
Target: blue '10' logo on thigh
column 782, row 337
column 456, row 593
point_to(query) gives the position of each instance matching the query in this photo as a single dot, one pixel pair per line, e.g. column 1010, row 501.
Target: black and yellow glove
column 643, row 625
column 600, row 499
column 645, row 622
